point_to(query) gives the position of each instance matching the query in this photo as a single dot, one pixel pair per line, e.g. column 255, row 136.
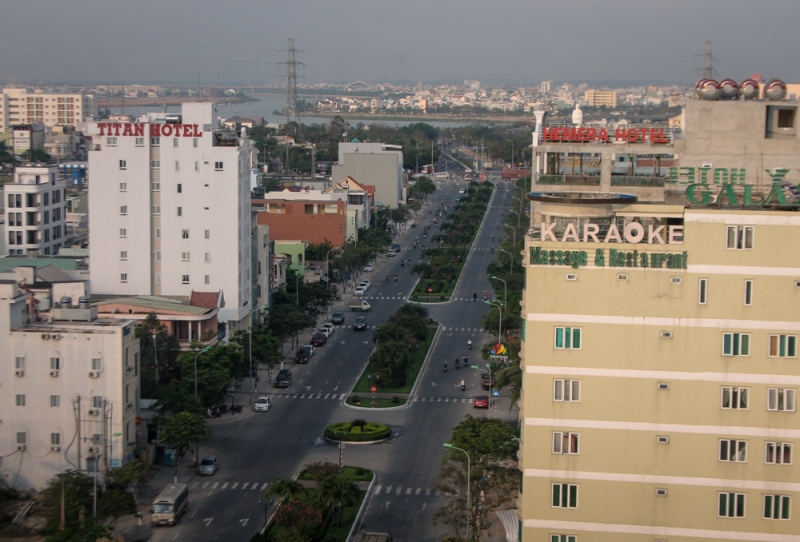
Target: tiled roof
column 209, row 300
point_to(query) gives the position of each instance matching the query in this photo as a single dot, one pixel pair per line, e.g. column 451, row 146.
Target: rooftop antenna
column 290, row 109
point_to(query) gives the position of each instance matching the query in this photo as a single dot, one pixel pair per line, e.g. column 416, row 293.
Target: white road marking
column 327, row 395
column 194, row 485
column 378, row 489
column 419, row 489
column 399, row 489
column 336, row 388
column 388, row 490
column 446, row 399
column 225, row 485
column 215, row 485
column 264, row 486
column 208, row 521
column 206, row 485
column 408, row 491
column 427, row 491
column 244, row 486
column 234, row 485
column 243, row 521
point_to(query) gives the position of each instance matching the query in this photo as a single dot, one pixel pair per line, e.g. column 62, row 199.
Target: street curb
column 471, row 251
column 362, row 509
column 235, row 418
column 387, row 439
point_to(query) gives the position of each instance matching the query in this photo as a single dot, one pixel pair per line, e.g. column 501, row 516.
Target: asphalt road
column 259, row 447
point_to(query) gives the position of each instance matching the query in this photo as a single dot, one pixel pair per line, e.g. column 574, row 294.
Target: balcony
column 644, row 181
column 576, row 180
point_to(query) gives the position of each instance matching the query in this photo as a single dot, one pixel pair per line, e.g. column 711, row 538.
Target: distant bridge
column 358, row 85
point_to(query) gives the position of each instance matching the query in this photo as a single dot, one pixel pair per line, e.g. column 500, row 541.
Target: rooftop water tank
column 775, row 90
column 748, row 89
column 84, row 302
column 708, row 89
column 729, row 89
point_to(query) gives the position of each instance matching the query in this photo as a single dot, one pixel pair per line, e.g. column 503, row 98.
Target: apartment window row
column 22, row 438
column 702, row 292
column 778, row 345
column 778, row 399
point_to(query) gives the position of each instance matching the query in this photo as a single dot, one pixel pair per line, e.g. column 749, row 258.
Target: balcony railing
column 581, row 180
column 621, row 180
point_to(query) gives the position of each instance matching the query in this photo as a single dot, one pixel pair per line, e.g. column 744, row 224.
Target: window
column 568, row 338
column 97, row 439
column 123, row 187
column 778, row 453
column 208, row 279
column 780, row 399
column 196, row 165
column 180, row 188
column 123, row 210
column 564, row 496
column 123, row 233
column 155, row 141
column 777, row 506
column 786, row 118
column 735, row 398
column 702, row 291
column 185, row 256
column 731, row 505
column 19, row 362
column 740, row 237
column 55, row 401
column 155, row 210
column 733, row 450
column 123, row 277
column 97, row 401
column 55, row 363
column 158, row 255
column 180, row 211
column 184, row 234
column 748, row 293
column 158, row 233
column 177, row 166
column 158, row 278
column 139, row 142
column 184, row 279
column 20, row 399
column 208, row 234
column 735, row 344
column 562, row 537
column 783, row 346
column 565, row 443
column 194, row 142
column 123, row 164
column 55, row 438
column 217, row 166
column 111, row 141
column 155, row 187
column 174, row 141
column 566, row 390
column 123, row 255
column 155, row 164
column 96, row 364
column 208, row 257
column 22, row 437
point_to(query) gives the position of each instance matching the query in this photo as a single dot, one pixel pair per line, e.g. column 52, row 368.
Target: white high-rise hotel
column 170, row 209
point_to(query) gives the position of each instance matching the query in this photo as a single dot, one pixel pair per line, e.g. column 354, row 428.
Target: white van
column 170, row 504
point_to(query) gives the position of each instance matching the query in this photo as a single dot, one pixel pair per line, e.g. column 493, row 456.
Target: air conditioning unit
column 55, row 448
column 130, row 406
column 94, row 449
column 663, row 440
column 622, row 277
column 45, row 336
column 572, row 276
column 57, row 337
column 666, row 334
column 20, row 447
column 94, row 412
column 661, row 492
column 54, row 372
column 663, row 386
column 19, row 372
column 94, row 374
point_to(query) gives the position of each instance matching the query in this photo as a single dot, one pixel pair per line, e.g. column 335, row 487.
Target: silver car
column 208, row 466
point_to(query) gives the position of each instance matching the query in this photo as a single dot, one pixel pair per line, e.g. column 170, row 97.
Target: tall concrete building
column 22, row 106
column 377, row 164
column 660, row 339
column 600, row 98
column 169, row 209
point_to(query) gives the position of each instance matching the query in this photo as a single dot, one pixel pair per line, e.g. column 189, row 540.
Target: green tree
column 298, row 516
column 6, row 156
column 183, row 429
column 493, row 475
column 286, row 490
column 165, row 349
column 115, row 503
column 132, row 475
column 75, row 490
column 35, row 155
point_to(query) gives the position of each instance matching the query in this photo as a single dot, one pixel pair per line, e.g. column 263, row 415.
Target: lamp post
column 512, row 258
column 489, row 372
column 499, row 320
column 296, row 290
column 155, row 357
column 328, row 265
column 505, row 289
column 250, row 353
column 469, row 502
column 196, row 445
column 265, row 504
column 516, row 213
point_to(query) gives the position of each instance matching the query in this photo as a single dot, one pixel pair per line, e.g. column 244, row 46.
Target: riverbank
column 426, row 117
column 103, row 103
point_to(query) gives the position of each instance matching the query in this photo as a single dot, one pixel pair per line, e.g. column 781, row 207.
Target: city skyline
column 511, row 43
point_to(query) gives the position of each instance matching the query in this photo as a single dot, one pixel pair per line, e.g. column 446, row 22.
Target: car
column 327, row 331
column 487, row 382
column 368, row 268
column 365, row 284
column 310, row 349
column 360, row 291
column 391, row 254
column 319, row 339
column 360, row 324
column 284, row 378
column 461, row 191
column 208, row 466
column 338, row 318
column 330, row 327
column 302, row 356
column 481, row 401
column 396, row 248
column 262, row 404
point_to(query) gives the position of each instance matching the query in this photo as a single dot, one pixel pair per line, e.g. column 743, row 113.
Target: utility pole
column 290, row 109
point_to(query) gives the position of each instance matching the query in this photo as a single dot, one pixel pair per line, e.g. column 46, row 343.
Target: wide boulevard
column 256, row 448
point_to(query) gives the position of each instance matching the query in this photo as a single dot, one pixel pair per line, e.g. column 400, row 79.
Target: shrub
column 359, row 471
column 395, row 400
column 355, row 430
column 359, row 422
column 355, row 399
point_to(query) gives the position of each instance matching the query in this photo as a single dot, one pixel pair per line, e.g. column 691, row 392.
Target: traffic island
column 357, row 431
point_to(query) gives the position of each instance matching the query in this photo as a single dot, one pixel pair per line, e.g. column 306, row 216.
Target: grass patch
column 364, row 382
column 379, row 402
column 330, row 531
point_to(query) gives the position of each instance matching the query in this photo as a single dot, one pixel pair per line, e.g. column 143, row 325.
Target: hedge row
column 348, row 433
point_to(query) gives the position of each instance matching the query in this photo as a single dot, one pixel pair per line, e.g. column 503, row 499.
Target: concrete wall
column 381, row 170
column 294, row 223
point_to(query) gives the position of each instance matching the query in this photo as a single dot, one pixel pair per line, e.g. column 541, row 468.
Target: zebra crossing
column 320, row 395
column 399, row 297
column 461, row 328
column 199, row 485
column 398, row 490
column 442, row 400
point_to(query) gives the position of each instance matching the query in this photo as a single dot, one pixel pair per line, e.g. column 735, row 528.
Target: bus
column 428, row 169
column 170, row 504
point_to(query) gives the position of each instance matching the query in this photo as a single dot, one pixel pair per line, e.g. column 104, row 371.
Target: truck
column 365, row 536
column 487, row 165
column 361, row 307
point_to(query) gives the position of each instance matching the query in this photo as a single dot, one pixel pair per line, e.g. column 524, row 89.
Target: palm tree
column 510, row 376
column 286, row 489
column 343, row 493
column 412, row 309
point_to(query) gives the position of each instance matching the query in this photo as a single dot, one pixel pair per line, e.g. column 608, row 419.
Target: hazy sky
column 511, row 41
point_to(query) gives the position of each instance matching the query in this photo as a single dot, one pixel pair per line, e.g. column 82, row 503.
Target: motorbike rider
column 475, row 297
column 469, row 344
column 445, row 366
column 484, row 292
column 465, row 361
column 457, row 362
column 395, row 278
column 387, row 278
column 463, row 385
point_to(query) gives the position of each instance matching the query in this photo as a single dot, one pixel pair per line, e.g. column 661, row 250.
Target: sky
column 518, row 42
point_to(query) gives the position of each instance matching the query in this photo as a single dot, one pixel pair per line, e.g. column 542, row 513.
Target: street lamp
column 512, row 258
column 265, row 504
column 505, row 289
column 328, row 265
column 489, row 371
column 196, row 444
column 469, row 502
column 499, row 320
column 516, row 213
column 296, row 290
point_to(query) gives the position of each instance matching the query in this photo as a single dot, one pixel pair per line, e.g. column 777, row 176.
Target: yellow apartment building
column 598, row 98
column 660, row 369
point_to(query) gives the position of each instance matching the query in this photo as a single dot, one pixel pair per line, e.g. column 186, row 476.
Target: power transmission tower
column 290, row 109
column 708, row 59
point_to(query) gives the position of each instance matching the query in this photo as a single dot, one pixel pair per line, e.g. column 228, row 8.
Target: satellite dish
column 775, row 90
column 748, row 89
